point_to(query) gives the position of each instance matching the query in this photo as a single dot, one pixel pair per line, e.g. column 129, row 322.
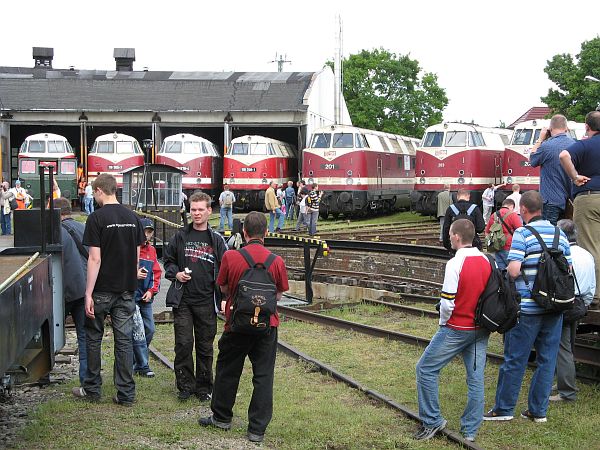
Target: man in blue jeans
column 465, row 279
column 555, row 186
column 113, row 235
column 535, row 328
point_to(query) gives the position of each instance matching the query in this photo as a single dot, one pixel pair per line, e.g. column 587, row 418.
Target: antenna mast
column 337, row 66
column 280, row 62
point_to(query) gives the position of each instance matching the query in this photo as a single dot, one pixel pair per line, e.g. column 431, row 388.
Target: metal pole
column 42, row 208
column 51, row 212
column 308, row 291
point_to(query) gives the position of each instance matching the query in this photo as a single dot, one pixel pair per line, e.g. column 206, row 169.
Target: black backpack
column 554, row 286
column 499, row 304
column 255, row 298
column 463, row 214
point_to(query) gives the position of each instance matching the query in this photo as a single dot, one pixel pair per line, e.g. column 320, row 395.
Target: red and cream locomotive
column 252, row 162
column 197, row 157
column 359, row 170
column 461, row 155
column 114, row 153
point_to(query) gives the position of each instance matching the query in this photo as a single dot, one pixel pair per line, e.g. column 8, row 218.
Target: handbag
column 577, row 312
column 13, row 204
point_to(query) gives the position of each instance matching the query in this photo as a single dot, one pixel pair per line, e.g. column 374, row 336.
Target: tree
column 383, row 92
column 575, row 96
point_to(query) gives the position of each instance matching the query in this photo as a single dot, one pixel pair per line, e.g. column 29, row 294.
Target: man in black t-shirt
column 113, row 234
column 191, row 262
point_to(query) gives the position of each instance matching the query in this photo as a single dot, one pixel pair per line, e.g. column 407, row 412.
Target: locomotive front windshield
column 171, row 147
column 456, row 138
column 56, row 147
column 343, row 140
column 321, row 140
column 433, row 139
column 37, row 146
column 239, row 148
column 523, row 136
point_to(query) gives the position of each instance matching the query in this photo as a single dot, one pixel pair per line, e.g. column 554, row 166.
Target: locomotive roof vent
column 43, row 57
column 124, row 57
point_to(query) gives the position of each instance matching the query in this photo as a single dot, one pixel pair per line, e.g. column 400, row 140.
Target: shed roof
column 35, row 89
column 537, row 112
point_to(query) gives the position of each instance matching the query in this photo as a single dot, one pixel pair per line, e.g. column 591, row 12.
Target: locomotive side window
column 475, row 139
column 124, row 147
column 384, row 145
column 136, row 147
column 396, row 145
column 456, row 138
column 239, row 148
column 37, row 147
column 172, row 147
column 343, row 140
column 433, row 139
column 105, row 147
column 361, row 142
column 321, row 140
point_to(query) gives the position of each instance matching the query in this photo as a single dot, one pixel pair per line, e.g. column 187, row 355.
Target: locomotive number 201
column 329, row 166
column 440, row 164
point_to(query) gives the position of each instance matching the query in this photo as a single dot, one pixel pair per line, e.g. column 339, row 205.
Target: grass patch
column 390, row 368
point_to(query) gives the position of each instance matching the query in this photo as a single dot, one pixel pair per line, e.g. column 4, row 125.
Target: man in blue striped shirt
column 535, row 328
column 555, row 185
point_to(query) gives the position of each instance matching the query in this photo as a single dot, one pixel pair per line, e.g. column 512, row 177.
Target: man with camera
column 555, row 186
column 191, row 262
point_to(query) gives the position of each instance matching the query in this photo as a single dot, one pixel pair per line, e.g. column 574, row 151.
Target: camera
column 187, row 271
column 143, row 269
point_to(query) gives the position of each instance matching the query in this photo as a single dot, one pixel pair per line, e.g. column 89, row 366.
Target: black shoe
column 252, row 437
column 184, row 395
column 493, row 415
column 210, row 421
column 425, row 433
column 117, row 401
column 205, row 397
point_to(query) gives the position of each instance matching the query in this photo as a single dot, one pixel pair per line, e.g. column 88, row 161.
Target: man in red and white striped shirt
column 464, row 281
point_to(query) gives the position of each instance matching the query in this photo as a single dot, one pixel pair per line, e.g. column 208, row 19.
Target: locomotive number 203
column 329, row 166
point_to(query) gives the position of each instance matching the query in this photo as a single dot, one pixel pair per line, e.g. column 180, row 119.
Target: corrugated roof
column 27, row 89
column 537, row 112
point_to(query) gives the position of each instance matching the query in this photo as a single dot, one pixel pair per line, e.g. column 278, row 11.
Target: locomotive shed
column 83, row 104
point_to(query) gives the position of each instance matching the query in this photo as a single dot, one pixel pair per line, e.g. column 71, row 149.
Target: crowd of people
column 531, row 223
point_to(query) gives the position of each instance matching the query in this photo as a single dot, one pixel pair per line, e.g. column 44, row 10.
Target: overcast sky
column 489, row 56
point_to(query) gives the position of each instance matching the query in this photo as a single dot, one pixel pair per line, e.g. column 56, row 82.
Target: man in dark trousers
column 234, row 347
column 191, row 262
column 113, row 235
column 466, row 210
column 75, row 257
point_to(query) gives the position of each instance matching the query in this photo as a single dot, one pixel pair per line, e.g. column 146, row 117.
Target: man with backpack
column 254, row 334
column 537, row 327
column 226, row 201
column 499, row 230
column 583, row 267
column 465, row 280
column 463, row 209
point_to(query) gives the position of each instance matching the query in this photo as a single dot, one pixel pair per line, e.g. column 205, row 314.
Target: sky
column 488, row 56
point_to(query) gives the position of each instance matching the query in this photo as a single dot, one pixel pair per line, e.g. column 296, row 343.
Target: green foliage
column 575, row 97
column 383, row 92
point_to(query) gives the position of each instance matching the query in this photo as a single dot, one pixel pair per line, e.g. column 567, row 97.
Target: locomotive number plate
column 248, row 169
column 329, row 166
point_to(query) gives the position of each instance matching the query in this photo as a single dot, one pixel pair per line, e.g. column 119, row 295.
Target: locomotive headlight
column 509, row 171
column 349, row 181
column 311, row 173
column 422, row 171
column 349, row 173
column 199, row 174
column 198, row 180
column 461, row 180
column 422, row 180
column 265, row 175
column 461, row 172
column 509, row 180
column 231, row 180
column 264, row 180
column 311, row 180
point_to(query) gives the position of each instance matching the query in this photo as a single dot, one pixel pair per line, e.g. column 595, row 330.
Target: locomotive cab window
column 343, row 140
column 172, row 147
column 433, row 139
column 28, row 166
column 56, row 147
column 124, row 147
column 475, row 139
column 103, row 147
column 194, row 148
column 522, row 136
column 37, row 147
column 456, row 139
column 361, row 142
column 239, row 148
column 67, row 167
column 321, row 140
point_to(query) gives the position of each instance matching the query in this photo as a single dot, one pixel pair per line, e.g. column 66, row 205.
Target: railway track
column 380, row 398
column 586, row 354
